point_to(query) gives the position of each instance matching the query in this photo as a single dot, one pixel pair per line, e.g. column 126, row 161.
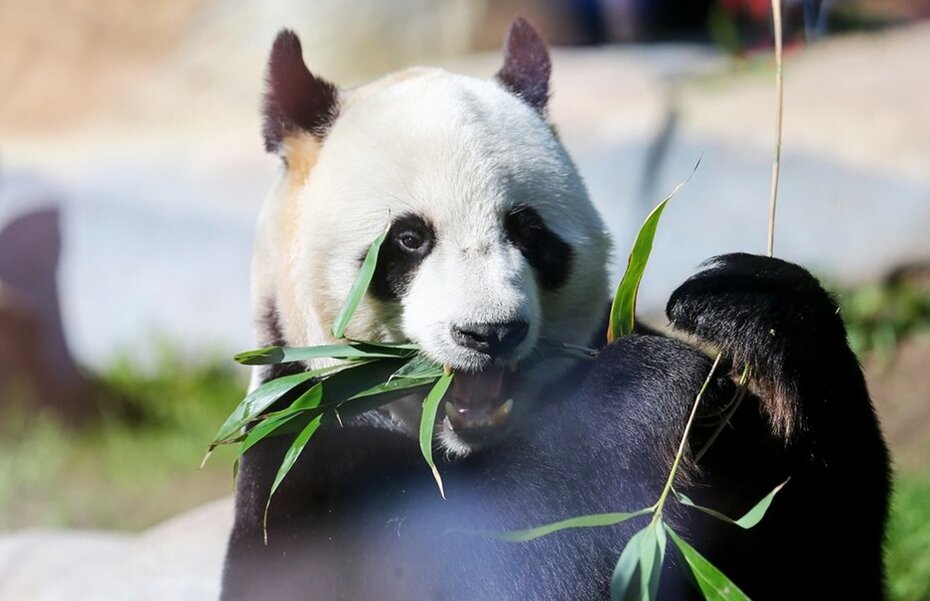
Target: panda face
column 492, row 245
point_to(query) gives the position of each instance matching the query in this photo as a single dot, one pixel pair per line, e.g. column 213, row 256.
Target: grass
column 879, row 316
column 121, row 473
column 908, row 548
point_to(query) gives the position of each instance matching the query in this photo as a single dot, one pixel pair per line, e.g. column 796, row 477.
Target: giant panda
column 493, row 246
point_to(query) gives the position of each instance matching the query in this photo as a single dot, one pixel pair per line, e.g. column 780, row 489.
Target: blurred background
column 132, row 171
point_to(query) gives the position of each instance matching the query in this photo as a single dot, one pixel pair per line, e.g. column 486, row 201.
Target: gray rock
column 180, row 560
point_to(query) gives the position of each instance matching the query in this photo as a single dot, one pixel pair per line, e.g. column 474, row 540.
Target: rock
column 180, row 560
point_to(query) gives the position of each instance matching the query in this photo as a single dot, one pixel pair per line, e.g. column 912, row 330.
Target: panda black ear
column 526, row 65
column 295, row 99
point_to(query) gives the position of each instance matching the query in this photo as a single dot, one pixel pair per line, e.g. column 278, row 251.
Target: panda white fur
column 464, row 166
column 494, row 246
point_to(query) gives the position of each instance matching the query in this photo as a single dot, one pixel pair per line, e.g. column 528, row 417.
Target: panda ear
column 526, row 65
column 295, row 99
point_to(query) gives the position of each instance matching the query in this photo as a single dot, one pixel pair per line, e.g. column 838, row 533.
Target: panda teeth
column 500, row 415
column 497, row 418
column 455, row 419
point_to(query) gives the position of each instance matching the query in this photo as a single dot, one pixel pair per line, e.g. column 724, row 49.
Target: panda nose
column 493, row 339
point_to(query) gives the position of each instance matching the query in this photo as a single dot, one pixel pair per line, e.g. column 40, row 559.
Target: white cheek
column 428, row 305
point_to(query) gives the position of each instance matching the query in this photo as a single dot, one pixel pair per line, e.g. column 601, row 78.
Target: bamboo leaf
column 713, row 583
column 275, row 422
column 420, row 367
column 585, row 521
column 290, row 458
column 623, row 308
column 257, row 401
column 749, row 519
column 350, row 394
column 428, row 424
column 269, row 426
column 361, row 404
column 648, row 558
column 391, row 386
column 359, row 286
column 282, row 354
column 395, row 347
column 625, row 576
column 651, row 558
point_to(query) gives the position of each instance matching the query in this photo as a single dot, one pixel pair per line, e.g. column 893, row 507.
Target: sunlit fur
column 460, row 152
column 358, row 516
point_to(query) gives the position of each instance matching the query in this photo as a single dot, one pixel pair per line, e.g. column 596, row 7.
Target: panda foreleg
column 813, row 422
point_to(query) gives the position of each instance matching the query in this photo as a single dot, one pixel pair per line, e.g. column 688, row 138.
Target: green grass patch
column 908, row 550
column 121, row 472
column 879, row 316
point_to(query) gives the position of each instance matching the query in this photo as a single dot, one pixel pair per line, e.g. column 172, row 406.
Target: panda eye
column 523, row 227
column 411, row 241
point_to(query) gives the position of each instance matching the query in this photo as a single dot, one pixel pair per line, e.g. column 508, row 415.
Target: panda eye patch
column 410, row 240
column 547, row 253
column 523, row 226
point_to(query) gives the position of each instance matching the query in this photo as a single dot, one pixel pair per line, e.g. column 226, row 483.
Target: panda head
column 493, row 244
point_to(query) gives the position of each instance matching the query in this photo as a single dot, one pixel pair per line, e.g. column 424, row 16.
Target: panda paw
column 770, row 315
column 741, row 299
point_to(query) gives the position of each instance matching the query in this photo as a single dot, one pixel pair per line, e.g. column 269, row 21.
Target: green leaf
column 345, row 385
column 359, row 287
column 269, row 426
column 639, row 568
column 282, row 354
column 371, row 379
column 623, row 308
column 363, row 403
column 623, row 581
column 420, row 367
column 273, row 423
column 651, row 558
column 751, row 517
column 290, row 458
column 347, row 393
column 713, row 583
column 264, row 396
column 585, row 521
column 255, row 403
column 391, row 386
column 428, row 424
column 395, row 347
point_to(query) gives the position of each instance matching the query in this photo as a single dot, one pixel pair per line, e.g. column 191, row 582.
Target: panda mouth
column 480, row 403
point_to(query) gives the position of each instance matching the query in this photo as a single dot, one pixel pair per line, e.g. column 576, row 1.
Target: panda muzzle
column 479, row 401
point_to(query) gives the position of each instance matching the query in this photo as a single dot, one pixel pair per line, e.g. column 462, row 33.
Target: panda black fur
column 359, row 518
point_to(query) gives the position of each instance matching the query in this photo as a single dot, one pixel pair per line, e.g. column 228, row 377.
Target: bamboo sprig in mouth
column 369, row 375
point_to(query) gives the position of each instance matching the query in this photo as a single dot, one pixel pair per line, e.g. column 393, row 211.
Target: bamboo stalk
column 776, row 164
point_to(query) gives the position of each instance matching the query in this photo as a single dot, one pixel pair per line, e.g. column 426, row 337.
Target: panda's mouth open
column 479, row 404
